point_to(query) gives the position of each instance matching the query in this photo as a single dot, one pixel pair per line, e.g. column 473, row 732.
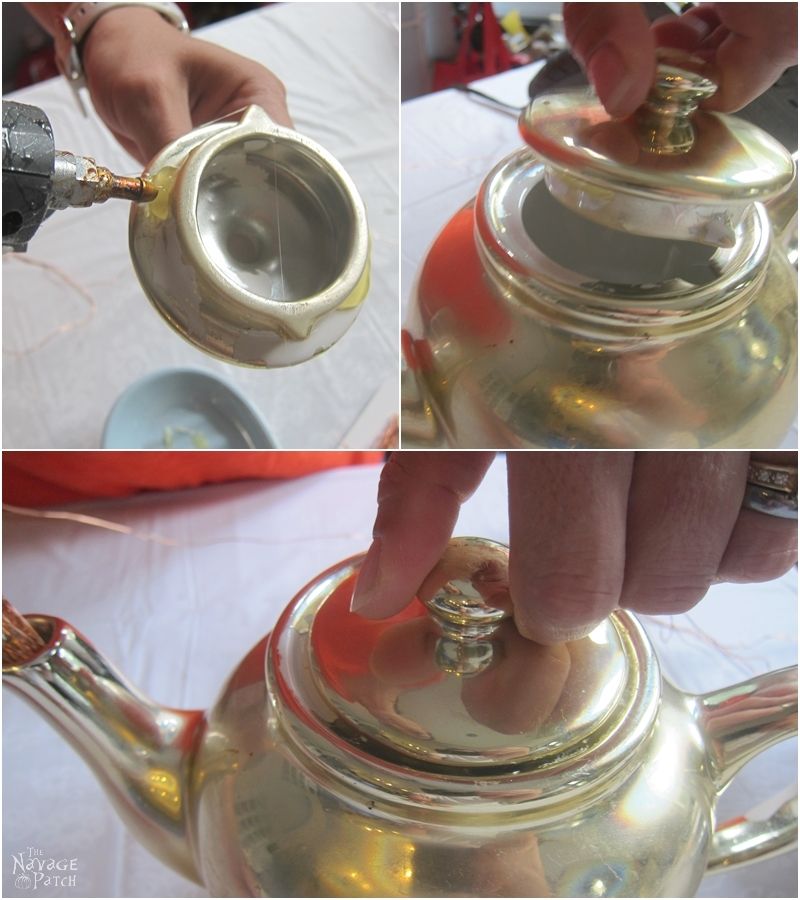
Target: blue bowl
column 184, row 409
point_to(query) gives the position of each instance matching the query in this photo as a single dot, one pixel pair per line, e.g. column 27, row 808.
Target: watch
column 78, row 18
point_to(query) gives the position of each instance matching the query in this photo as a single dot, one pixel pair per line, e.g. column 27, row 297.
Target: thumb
column 615, row 46
column 419, row 497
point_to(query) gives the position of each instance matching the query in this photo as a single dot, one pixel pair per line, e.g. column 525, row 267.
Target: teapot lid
column 668, row 151
column 449, row 687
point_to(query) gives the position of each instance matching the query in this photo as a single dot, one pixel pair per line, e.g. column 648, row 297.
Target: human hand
column 589, row 531
column 747, row 47
column 151, row 84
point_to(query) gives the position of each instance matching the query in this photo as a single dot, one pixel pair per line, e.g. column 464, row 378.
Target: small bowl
column 184, row 408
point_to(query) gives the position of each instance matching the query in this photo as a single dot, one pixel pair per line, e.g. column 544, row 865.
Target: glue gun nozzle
column 79, row 181
column 135, row 188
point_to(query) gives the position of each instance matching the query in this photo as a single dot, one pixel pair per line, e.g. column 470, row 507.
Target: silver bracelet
column 771, row 489
column 78, row 18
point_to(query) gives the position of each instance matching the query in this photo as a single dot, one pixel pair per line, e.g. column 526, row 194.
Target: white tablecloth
column 177, row 619
column 339, row 62
column 450, row 142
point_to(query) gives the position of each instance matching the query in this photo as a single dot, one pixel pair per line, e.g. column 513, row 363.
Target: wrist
column 134, row 24
column 78, row 19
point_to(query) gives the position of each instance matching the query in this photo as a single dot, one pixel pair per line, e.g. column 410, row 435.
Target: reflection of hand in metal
column 644, row 385
column 516, row 692
column 523, row 685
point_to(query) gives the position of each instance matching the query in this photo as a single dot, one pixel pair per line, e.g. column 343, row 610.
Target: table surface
column 339, row 62
column 449, row 143
column 177, row 619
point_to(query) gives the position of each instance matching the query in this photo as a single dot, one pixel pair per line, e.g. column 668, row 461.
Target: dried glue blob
column 164, row 180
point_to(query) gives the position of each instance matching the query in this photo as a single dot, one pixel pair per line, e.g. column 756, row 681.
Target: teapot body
column 279, row 812
column 532, row 326
column 256, row 248
column 433, row 753
column 271, row 821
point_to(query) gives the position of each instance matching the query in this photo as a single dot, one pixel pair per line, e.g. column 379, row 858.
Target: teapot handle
column 748, row 840
column 739, row 722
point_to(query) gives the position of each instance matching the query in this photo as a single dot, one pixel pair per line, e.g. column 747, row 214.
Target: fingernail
column 554, row 633
column 611, row 79
column 367, row 582
column 701, row 28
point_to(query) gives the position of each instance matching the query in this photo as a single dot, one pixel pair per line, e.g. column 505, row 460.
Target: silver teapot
column 616, row 283
column 434, row 753
column 256, row 249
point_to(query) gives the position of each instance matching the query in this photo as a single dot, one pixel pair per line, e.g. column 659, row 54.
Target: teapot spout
column 142, row 753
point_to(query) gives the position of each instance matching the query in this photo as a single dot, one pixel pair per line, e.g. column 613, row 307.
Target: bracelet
column 78, row 18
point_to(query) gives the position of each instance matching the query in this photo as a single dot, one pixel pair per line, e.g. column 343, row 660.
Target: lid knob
column 664, row 119
column 468, row 597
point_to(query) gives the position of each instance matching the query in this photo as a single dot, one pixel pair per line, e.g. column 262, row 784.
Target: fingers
column 129, row 146
column 265, row 90
column 567, row 516
column 220, row 82
column 159, row 114
column 137, row 83
column 688, row 31
column 419, row 497
column 748, row 47
column 682, row 509
column 759, row 44
column 745, row 69
column 761, row 547
column 588, row 532
column 151, row 85
column 615, row 46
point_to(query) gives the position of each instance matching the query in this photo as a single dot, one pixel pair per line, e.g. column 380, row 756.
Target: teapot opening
column 24, row 637
column 274, row 219
column 608, row 255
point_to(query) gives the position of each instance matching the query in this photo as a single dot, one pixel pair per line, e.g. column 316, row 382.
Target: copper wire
column 65, row 327
column 152, row 537
column 21, row 641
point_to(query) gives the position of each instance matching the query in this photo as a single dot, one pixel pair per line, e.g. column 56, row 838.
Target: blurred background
column 444, row 45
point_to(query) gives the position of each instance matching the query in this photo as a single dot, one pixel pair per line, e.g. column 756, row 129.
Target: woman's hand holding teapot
column 151, row 84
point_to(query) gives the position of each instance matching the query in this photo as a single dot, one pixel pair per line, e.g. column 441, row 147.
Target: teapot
column 433, row 753
column 615, row 284
column 256, row 249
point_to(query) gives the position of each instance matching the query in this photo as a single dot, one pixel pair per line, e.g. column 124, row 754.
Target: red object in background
column 49, row 478
column 453, row 280
column 37, row 66
column 482, row 52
